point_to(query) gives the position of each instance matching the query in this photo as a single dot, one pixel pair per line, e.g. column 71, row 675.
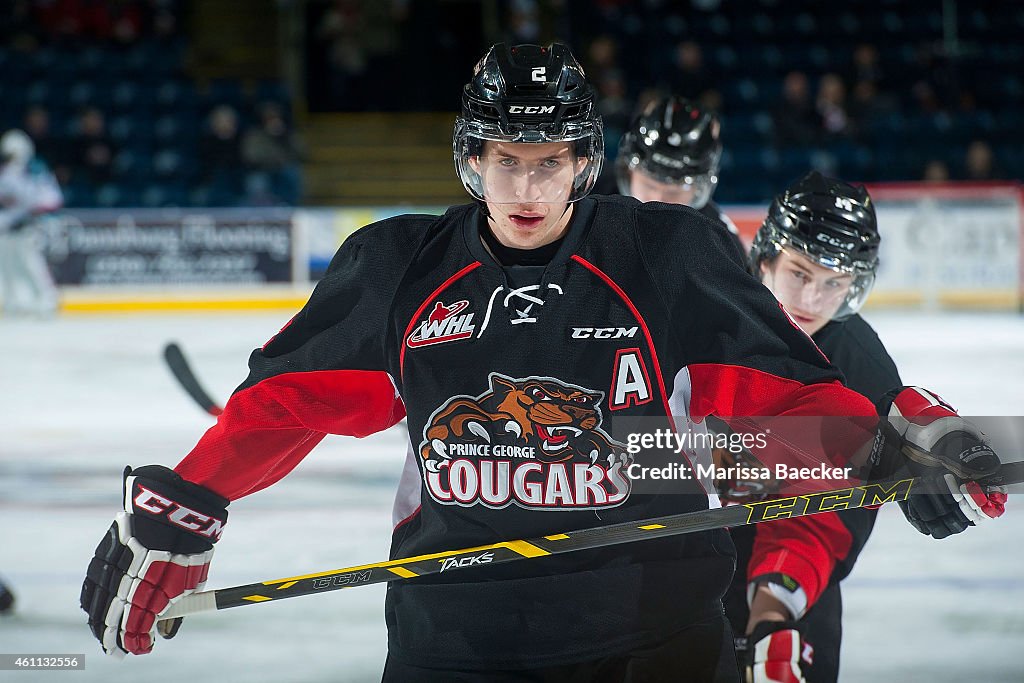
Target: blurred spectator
column 37, row 125
column 348, row 35
column 936, row 171
column 937, row 85
column 866, row 66
column 164, row 22
column 712, row 100
column 612, row 104
column 94, row 151
column 18, row 30
column 923, row 96
column 646, row 96
column 796, row 122
column 690, row 79
column 272, row 153
column 338, row 33
column 979, row 163
column 868, row 105
column 602, row 58
column 119, row 21
column 615, row 109
column 524, row 21
column 968, row 103
column 220, row 156
column 831, row 106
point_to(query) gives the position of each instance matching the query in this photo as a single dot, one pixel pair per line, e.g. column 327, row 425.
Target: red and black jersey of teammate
column 818, row 551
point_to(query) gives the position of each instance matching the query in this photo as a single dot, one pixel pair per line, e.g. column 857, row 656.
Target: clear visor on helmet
column 532, row 166
column 815, row 285
column 648, row 186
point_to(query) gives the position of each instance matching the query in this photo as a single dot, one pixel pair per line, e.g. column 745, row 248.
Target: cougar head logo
column 560, row 421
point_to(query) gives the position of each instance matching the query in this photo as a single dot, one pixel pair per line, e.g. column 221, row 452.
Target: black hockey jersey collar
column 579, row 227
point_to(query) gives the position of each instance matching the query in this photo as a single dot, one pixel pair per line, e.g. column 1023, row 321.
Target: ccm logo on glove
column 177, row 514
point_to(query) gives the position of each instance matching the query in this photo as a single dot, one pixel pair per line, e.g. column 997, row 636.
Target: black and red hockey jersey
column 513, row 380
column 608, row 184
column 715, row 213
column 818, row 551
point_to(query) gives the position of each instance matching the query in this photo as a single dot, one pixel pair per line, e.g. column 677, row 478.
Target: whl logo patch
column 443, row 324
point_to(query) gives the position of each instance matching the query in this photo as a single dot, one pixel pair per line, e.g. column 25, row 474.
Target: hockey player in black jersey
column 671, row 153
column 817, row 251
column 475, row 325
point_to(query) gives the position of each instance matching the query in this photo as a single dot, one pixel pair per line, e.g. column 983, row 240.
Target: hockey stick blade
column 182, row 371
column 570, row 541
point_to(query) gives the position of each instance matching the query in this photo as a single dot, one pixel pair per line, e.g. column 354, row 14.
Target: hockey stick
column 182, row 372
column 555, row 544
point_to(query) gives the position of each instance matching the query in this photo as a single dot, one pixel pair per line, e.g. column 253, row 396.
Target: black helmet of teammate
column 674, row 141
column 830, row 222
column 529, row 94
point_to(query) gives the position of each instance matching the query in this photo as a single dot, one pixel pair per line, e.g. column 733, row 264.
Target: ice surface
column 83, row 396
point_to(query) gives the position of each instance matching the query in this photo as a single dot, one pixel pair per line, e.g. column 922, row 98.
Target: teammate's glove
column 157, row 550
column 772, row 653
column 938, row 442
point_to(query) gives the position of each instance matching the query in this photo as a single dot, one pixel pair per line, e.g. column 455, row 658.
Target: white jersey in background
column 28, row 192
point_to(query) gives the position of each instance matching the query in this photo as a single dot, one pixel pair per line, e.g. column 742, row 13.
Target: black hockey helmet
column 529, row 94
column 674, row 141
column 828, row 221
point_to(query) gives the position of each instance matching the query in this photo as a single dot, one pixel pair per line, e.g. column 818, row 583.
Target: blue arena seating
column 935, row 102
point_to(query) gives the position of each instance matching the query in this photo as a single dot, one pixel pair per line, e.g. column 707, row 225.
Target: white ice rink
column 83, row 396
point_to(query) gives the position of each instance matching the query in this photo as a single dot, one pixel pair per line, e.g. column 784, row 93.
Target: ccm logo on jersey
column 444, row 324
column 520, row 109
column 178, row 515
column 603, row 332
column 449, row 562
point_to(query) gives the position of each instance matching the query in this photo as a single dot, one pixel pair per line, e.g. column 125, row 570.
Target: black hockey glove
column 6, row 599
column 772, row 653
column 157, row 550
column 924, row 437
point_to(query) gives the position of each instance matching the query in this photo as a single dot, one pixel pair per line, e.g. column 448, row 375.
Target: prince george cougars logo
column 534, row 442
column 444, row 324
